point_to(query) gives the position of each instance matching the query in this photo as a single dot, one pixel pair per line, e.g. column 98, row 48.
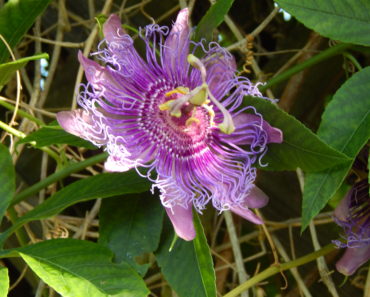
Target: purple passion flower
column 177, row 115
column 353, row 215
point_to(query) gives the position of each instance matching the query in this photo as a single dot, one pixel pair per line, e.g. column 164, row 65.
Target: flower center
column 186, row 102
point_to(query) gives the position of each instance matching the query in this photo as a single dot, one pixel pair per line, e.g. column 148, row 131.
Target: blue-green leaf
column 98, row 186
column 346, row 126
column 347, row 21
column 212, row 19
column 16, row 18
column 7, row 178
column 131, row 226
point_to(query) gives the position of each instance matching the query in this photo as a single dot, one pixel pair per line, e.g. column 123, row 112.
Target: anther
column 196, row 97
column 166, row 105
column 200, row 96
column 227, row 125
column 191, row 120
column 178, row 90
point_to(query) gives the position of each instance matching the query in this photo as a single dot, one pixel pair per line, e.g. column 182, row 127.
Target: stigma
column 200, row 96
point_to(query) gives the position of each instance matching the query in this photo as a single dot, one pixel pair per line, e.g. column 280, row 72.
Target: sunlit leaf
column 76, row 268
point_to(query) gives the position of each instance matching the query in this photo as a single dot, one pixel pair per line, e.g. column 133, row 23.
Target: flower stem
column 353, row 60
column 21, row 135
column 276, row 269
column 58, row 176
column 22, row 113
column 20, row 234
column 332, row 51
column 11, row 130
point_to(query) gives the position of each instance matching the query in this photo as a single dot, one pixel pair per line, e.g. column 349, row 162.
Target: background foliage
column 58, row 234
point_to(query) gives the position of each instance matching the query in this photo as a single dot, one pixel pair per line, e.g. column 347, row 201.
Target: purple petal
column 68, row 121
column 120, row 54
column 341, row 212
column 176, row 46
column 112, row 28
column 182, row 221
column 244, row 134
column 256, row 198
column 352, row 259
column 80, row 123
column 96, row 74
column 179, row 35
column 247, row 214
column 275, row 135
column 220, row 69
column 114, row 164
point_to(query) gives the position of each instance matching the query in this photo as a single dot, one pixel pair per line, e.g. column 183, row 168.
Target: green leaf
column 347, row 21
column 4, row 281
column 131, row 226
column 212, row 19
column 181, row 266
column 54, row 134
column 16, row 18
column 57, row 176
column 346, row 126
column 76, row 268
column 300, row 148
column 7, row 178
column 99, row 186
column 204, row 259
column 7, row 70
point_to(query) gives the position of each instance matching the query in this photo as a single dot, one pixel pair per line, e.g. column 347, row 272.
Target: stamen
column 196, row 63
column 191, row 120
column 176, row 105
column 211, row 113
column 172, row 104
column 198, row 97
column 178, row 90
column 227, row 125
column 166, row 105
